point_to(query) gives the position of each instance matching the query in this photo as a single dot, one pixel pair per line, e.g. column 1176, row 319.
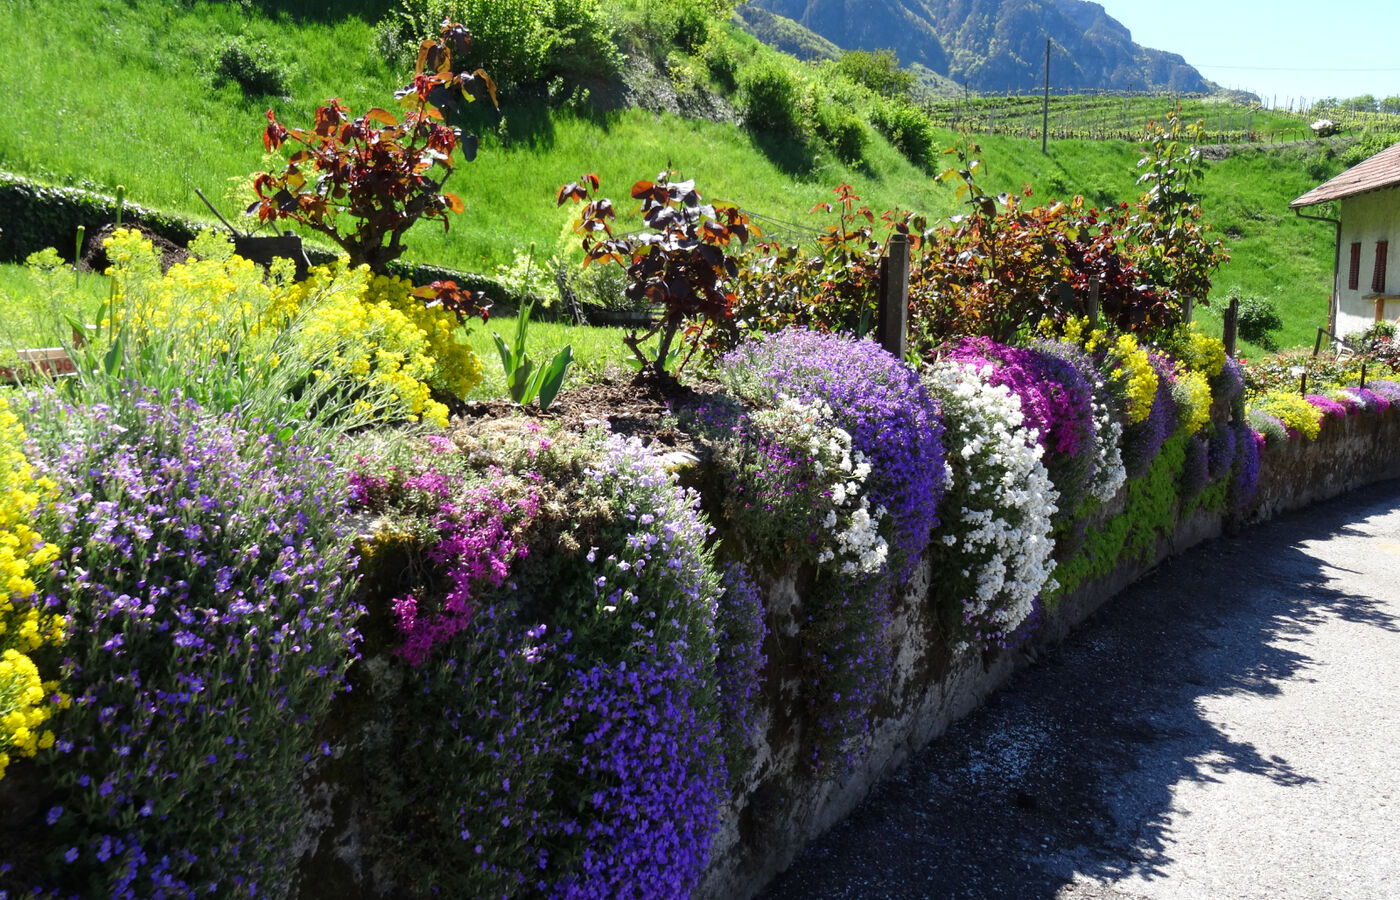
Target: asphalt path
column 1229, row 727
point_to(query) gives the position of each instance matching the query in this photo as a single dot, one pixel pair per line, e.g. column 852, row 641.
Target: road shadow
column 1067, row 774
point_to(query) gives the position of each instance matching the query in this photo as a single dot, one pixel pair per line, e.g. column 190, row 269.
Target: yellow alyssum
column 1292, row 410
column 25, row 700
column 1191, row 392
column 1199, row 352
column 1131, row 375
column 458, row 366
column 339, row 326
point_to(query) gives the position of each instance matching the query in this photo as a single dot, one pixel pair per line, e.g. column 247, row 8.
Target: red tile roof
column 1381, row 170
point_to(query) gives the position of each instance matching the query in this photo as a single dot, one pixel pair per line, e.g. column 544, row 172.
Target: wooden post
column 1095, row 290
column 894, row 297
column 1232, row 319
column 1045, row 109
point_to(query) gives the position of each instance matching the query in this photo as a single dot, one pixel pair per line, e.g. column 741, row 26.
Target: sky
column 1280, row 48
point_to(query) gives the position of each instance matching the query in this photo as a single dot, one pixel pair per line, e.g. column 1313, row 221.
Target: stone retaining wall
column 780, row 806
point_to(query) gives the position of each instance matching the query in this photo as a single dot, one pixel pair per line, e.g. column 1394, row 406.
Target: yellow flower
column 1294, row 411
column 23, row 627
column 1192, row 395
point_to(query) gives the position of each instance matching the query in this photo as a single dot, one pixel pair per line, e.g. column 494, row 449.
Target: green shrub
column 769, row 95
column 520, row 42
column 722, row 59
column 878, row 71
column 841, row 129
column 908, row 128
column 1258, row 319
column 253, row 67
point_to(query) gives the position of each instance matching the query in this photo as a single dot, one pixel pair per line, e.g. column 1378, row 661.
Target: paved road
column 1228, row 728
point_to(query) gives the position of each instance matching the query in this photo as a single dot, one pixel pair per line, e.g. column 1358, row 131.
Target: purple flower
column 184, row 537
column 878, row 400
column 1055, row 384
column 1195, row 474
column 1246, row 468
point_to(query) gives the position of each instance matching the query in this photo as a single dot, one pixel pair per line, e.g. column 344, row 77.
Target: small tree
column 1169, row 241
column 379, row 173
column 680, row 263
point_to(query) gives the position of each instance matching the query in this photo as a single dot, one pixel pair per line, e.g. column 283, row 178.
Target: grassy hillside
column 150, row 110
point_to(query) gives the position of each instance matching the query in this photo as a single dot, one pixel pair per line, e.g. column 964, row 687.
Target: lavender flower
column 876, row 399
column 1195, row 474
column 1246, row 469
column 205, row 580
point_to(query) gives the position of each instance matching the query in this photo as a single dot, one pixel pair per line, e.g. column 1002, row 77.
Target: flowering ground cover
column 247, row 562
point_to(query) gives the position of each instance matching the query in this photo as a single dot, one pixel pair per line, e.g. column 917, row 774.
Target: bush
column 209, row 628
column 1258, row 320
column 253, row 67
column 906, row 127
column 769, row 95
column 722, row 60
column 841, row 129
column 556, row 732
column 336, row 349
column 520, row 42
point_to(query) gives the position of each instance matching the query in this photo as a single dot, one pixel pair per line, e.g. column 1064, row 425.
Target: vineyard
column 1124, row 117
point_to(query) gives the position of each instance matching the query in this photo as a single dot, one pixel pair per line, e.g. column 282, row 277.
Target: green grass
column 139, row 105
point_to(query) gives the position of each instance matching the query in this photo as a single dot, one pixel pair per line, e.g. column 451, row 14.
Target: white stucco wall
column 1368, row 218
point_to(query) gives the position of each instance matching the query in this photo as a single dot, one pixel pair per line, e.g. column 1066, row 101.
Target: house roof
column 1379, row 171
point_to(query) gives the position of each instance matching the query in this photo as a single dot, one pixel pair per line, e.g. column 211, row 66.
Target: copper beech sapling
column 364, row 181
column 679, row 263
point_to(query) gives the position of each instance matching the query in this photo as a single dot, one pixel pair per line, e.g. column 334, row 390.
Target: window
column 1378, row 273
column 1354, row 273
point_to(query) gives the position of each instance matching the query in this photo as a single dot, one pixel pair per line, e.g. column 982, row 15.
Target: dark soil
column 644, row 407
column 94, row 258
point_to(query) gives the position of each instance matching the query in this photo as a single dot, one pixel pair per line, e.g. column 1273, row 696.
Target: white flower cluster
column 1109, row 471
column 852, row 529
column 995, row 535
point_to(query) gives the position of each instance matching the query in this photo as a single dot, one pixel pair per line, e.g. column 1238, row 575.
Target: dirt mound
column 94, row 258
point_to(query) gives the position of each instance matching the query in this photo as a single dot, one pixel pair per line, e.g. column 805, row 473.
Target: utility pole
column 1045, row 109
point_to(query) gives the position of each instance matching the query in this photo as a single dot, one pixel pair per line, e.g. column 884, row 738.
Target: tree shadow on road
column 1066, row 777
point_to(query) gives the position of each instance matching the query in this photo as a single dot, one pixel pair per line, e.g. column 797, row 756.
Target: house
column 1365, row 288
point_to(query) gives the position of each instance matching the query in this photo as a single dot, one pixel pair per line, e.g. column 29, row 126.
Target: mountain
column 988, row 45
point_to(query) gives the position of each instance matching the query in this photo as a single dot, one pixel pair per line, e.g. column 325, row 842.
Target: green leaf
column 519, row 381
column 111, row 363
column 554, row 375
column 507, row 357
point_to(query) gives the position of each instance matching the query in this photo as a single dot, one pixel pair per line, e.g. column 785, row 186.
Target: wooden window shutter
column 1354, row 273
column 1378, row 274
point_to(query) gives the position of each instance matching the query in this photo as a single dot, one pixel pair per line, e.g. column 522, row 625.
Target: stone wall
column 781, row 805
